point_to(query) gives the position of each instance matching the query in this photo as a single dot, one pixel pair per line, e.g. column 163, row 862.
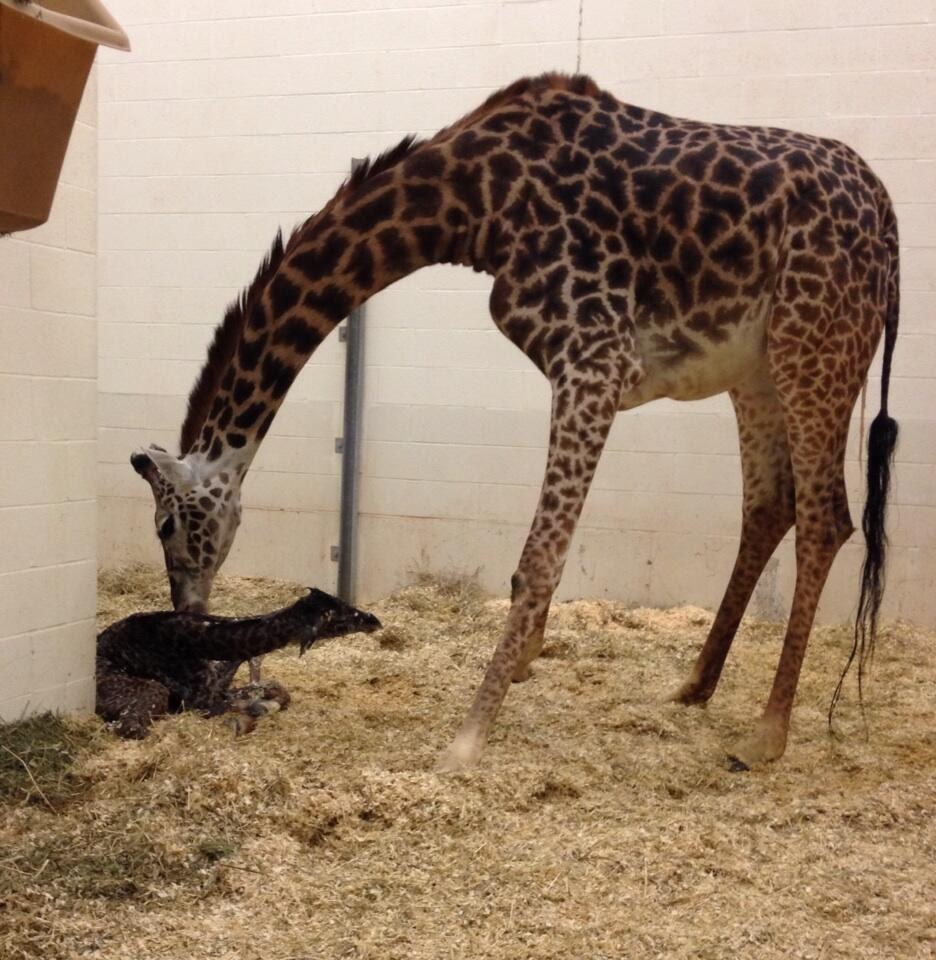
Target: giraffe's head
column 197, row 514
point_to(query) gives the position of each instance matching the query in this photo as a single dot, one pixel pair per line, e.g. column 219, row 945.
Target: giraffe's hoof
column 737, row 766
column 131, row 730
column 272, row 691
column 691, row 694
column 766, row 743
column 461, row 756
column 241, row 724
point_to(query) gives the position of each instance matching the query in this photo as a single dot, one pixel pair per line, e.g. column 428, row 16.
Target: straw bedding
column 603, row 822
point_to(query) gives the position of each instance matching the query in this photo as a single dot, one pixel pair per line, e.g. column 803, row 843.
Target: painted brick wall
column 229, row 120
column 47, row 444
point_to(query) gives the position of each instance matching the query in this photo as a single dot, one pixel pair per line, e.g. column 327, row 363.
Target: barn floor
column 603, row 822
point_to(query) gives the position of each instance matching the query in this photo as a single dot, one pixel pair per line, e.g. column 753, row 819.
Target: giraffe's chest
column 683, row 362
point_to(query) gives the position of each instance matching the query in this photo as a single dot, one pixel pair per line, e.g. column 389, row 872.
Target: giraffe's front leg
column 532, row 648
column 534, row 584
column 254, row 664
column 583, row 410
column 257, row 699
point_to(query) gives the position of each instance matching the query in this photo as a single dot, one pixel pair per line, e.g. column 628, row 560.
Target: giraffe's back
column 601, row 211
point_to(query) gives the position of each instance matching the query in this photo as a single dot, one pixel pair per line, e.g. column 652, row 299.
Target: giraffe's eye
column 167, row 528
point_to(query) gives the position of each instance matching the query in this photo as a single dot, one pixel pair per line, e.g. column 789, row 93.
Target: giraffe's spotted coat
column 635, row 256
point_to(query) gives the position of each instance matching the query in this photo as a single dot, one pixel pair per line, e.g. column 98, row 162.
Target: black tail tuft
column 882, row 440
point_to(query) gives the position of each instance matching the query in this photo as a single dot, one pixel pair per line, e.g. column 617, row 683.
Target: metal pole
column 351, row 450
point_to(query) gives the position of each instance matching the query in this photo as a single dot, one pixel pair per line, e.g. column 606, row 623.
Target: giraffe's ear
column 155, row 460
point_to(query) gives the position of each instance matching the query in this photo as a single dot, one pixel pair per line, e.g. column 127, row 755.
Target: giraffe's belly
column 683, row 364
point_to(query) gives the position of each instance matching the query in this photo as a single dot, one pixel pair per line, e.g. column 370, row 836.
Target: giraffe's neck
column 423, row 210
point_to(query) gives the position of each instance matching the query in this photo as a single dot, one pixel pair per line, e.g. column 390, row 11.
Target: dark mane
column 579, row 84
column 384, row 161
column 228, row 333
column 224, row 345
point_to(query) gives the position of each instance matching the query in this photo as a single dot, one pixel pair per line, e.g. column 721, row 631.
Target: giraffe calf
column 153, row 664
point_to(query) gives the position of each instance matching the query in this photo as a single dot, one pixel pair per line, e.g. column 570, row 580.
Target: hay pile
column 603, row 822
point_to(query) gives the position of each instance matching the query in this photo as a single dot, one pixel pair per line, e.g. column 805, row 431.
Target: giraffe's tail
column 882, row 440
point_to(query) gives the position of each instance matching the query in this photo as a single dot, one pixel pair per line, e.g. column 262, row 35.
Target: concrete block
column 315, row 419
column 78, row 696
column 479, row 425
column 506, row 503
column 387, row 422
column 384, row 496
column 42, row 536
column 62, row 281
column 14, row 272
column 907, row 179
column 65, row 654
column 87, row 109
column 63, row 409
column 299, row 455
column 16, row 411
column 615, row 61
column 80, row 220
column 914, row 225
column 79, row 169
column 882, row 93
column 287, row 544
column 918, row 268
column 165, row 377
column 898, row 136
column 606, row 18
column 270, row 490
column 16, row 672
column 14, row 708
column 41, row 474
column 905, row 47
column 48, row 596
column 695, row 16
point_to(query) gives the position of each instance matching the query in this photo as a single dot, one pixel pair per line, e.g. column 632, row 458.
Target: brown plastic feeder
column 46, row 52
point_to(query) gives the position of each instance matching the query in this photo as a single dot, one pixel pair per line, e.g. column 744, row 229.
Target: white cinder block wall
column 231, row 119
column 47, row 444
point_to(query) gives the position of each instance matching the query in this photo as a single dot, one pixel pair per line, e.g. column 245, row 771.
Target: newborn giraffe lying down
column 152, row 664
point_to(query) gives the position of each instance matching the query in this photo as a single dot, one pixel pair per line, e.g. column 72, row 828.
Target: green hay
column 38, row 758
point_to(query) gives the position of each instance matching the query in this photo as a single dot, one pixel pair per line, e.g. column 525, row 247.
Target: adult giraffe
column 634, row 256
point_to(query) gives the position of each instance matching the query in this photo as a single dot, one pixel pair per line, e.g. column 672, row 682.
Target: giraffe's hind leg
column 130, row 704
column 767, row 514
column 817, row 429
column 823, row 524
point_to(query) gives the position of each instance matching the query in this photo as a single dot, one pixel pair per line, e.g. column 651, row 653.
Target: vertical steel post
column 351, row 450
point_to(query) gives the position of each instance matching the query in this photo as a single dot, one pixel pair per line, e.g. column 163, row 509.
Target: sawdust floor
column 603, row 822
